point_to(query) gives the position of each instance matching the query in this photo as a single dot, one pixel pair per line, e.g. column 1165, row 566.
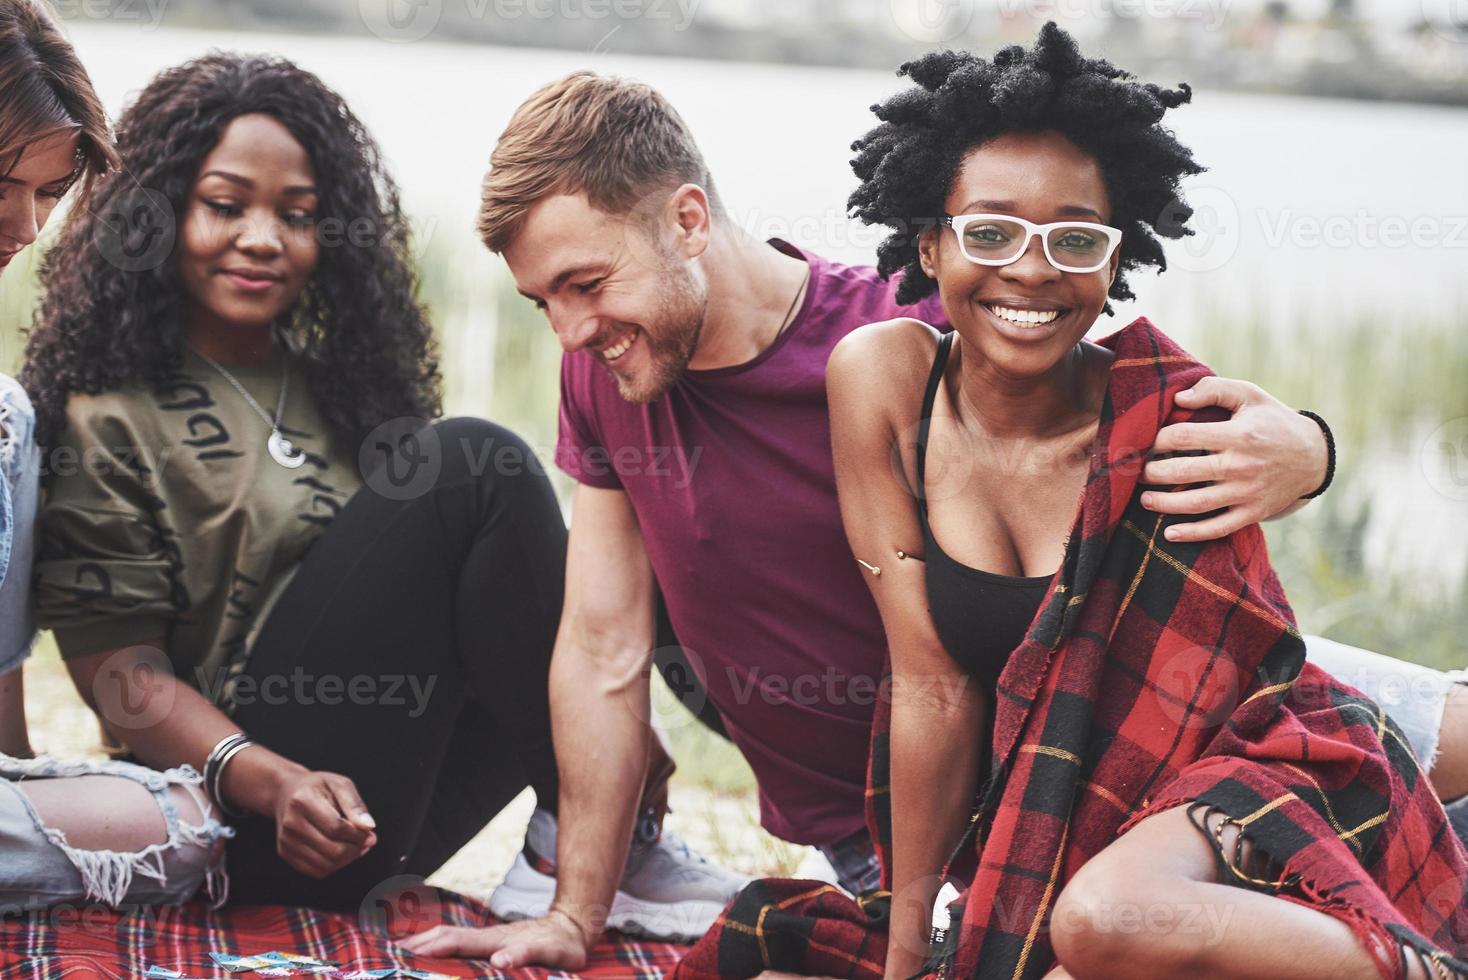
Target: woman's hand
column 321, row 824
column 1260, row 463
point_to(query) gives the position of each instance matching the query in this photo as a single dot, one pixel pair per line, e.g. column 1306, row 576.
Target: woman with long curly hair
column 257, row 555
column 69, row 830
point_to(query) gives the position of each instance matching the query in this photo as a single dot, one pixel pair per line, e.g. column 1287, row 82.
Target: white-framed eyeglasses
column 999, row 239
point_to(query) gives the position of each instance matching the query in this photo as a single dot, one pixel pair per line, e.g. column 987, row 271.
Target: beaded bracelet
column 1329, row 454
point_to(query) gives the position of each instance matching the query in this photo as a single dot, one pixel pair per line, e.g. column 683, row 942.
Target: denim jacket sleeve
column 19, row 498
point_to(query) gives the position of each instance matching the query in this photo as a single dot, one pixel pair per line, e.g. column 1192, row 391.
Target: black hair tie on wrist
column 1329, row 454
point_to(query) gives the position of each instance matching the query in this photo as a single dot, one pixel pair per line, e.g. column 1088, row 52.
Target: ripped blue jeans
column 39, row 869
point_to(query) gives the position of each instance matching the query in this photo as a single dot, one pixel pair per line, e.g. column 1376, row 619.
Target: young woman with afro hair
column 1106, row 736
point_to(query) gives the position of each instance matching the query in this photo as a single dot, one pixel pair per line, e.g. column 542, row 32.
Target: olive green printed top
column 166, row 518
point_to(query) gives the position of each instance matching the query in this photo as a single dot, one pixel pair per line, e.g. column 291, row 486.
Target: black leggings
column 451, row 579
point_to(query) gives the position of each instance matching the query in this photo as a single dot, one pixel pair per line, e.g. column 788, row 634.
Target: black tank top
column 980, row 616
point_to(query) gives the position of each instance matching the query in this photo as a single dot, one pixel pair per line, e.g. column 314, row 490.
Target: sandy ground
column 713, row 804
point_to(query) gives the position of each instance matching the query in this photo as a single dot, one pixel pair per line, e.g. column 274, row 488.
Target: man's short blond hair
column 614, row 139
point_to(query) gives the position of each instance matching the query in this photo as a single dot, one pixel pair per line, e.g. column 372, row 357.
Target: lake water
column 1312, row 207
column 1313, row 212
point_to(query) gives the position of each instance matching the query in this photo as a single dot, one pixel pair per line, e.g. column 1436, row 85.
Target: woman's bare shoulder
column 887, row 361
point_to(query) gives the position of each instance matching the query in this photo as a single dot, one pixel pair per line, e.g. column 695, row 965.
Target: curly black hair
column 908, row 163
column 365, row 342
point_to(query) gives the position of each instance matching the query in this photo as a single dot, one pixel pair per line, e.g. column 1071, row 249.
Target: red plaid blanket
column 93, row 943
column 1157, row 675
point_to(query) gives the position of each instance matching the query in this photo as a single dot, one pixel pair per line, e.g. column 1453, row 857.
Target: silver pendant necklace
column 281, row 449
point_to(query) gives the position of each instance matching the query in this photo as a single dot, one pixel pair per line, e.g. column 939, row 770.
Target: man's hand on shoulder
column 1260, row 463
column 553, row 941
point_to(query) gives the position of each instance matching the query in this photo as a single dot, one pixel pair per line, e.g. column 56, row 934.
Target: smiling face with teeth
column 1020, row 320
column 614, row 286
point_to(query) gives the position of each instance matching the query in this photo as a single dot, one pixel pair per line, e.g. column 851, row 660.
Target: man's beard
column 671, row 339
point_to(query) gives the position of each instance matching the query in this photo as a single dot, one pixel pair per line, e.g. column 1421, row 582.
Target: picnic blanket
column 1157, row 675
column 93, row 943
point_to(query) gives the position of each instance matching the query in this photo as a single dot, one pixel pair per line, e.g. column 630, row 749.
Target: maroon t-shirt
column 731, row 477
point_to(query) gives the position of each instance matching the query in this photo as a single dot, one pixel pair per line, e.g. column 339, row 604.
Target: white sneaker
column 815, row 866
column 667, row 892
